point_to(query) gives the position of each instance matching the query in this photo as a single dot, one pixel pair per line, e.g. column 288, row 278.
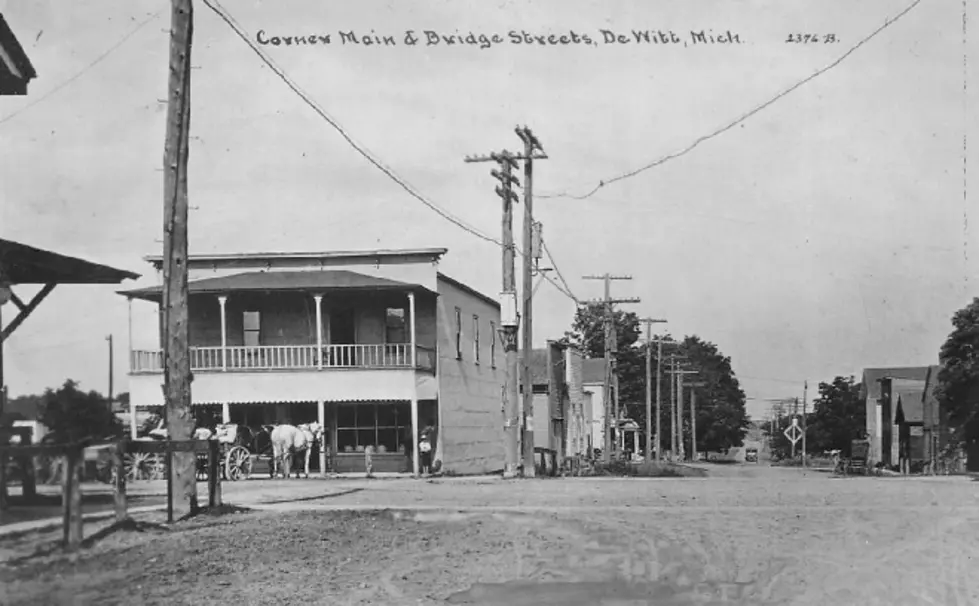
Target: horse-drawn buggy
column 857, row 463
column 234, row 443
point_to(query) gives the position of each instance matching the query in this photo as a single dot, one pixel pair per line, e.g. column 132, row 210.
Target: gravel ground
column 757, row 536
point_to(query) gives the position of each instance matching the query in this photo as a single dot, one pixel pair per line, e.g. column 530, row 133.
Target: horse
column 290, row 440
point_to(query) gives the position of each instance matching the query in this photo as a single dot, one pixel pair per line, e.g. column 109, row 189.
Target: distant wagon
column 751, row 455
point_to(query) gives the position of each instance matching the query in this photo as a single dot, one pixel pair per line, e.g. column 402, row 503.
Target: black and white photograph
column 517, row 303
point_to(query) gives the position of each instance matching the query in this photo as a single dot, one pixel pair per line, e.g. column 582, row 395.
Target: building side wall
column 542, row 437
column 577, row 442
column 873, row 427
column 469, row 391
column 597, row 417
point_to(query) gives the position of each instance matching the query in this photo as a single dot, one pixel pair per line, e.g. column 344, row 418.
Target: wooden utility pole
column 509, row 320
column 649, row 385
column 677, row 406
column 805, row 394
column 611, row 348
column 693, row 418
column 109, row 339
column 531, row 146
column 659, row 396
column 177, row 377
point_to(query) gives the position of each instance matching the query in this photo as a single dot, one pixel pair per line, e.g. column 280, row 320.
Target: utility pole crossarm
column 614, row 301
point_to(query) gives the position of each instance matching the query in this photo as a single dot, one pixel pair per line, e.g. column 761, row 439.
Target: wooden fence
column 74, row 454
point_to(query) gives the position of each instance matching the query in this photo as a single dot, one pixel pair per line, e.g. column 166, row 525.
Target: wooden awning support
column 25, row 309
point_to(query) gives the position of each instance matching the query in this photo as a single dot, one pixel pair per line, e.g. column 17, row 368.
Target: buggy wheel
column 201, row 467
column 237, row 464
column 143, row 466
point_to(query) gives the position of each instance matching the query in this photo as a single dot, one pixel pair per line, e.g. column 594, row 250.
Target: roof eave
column 434, row 253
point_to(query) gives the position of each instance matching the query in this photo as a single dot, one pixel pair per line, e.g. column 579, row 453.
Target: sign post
column 793, row 433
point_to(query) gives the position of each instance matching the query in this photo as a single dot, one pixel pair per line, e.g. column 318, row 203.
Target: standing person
column 426, row 446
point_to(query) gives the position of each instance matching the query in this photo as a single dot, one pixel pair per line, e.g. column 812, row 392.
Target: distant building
column 559, row 400
column 879, row 421
column 358, row 341
column 15, row 67
column 593, row 384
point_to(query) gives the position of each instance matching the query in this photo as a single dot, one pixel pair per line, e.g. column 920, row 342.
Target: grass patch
column 647, row 470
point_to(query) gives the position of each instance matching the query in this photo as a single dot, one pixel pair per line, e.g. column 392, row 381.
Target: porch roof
column 314, row 281
column 23, row 264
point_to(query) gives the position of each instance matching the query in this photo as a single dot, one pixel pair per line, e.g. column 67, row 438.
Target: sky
column 828, row 232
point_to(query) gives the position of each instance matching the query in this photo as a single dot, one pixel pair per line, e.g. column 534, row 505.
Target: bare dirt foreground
column 762, row 537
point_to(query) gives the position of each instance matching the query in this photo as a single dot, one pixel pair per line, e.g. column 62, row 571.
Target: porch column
column 225, row 412
column 224, row 333
column 319, row 345
column 321, row 418
column 132, row 418
column 414, row 433
column 129, row 301
column 411, row 319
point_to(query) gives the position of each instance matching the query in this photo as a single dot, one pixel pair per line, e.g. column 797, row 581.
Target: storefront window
column 381, row 425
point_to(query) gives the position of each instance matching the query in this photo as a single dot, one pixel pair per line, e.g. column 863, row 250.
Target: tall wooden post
column 649, row 387
column 177, row 377
column 508, row 304
column 531, row 145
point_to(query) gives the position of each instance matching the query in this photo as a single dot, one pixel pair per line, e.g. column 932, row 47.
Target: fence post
column 167, row 459
column 213, row 474
column 28, row 482
column 119, row 487
column 3, row 477
column 71, row 497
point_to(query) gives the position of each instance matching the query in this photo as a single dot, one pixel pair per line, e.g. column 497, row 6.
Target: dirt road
column 755, row 536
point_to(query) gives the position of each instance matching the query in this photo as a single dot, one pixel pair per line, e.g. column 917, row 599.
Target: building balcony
column 291, row 358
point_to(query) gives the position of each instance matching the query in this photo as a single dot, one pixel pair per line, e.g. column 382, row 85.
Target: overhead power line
column 742, row 118
column 78, row 75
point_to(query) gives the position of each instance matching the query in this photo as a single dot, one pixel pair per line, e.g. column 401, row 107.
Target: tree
column 958, row 380
column 70, row 414
column 838, row 418
column 722, row 421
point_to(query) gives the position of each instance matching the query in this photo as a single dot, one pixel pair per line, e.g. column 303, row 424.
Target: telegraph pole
column 659, row 396
column 649, row 384
column 693, row 419
column 678, row 374
column 176, row 377
column 611, row 349
column 531, row 146
column 109, row 339
column 805, row 390
column 508, row 299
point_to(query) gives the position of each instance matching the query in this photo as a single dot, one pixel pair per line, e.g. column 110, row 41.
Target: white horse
column 290, row 440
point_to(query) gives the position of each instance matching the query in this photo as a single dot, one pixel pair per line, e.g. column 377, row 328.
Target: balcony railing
column 290, row 357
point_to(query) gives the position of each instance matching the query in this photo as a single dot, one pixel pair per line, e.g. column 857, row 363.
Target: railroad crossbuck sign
column 793, row 432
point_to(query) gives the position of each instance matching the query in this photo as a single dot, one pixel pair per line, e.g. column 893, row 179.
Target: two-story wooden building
column 360, row 341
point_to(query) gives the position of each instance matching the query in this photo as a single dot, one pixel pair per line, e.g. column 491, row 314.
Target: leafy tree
column 722, row 420
column 838, row 418
column 721, row 417
column 71, row 414
column 958, row 380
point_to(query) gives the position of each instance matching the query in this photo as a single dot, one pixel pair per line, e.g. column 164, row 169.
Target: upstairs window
column 476, row 338
column 458, row 334
column 492, row 344
column 252, row 323
column 396, row 326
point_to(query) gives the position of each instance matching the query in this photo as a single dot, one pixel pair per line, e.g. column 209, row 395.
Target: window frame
column 458, row 333
column 492, row 344
column 476, row 338
column 249, row 331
